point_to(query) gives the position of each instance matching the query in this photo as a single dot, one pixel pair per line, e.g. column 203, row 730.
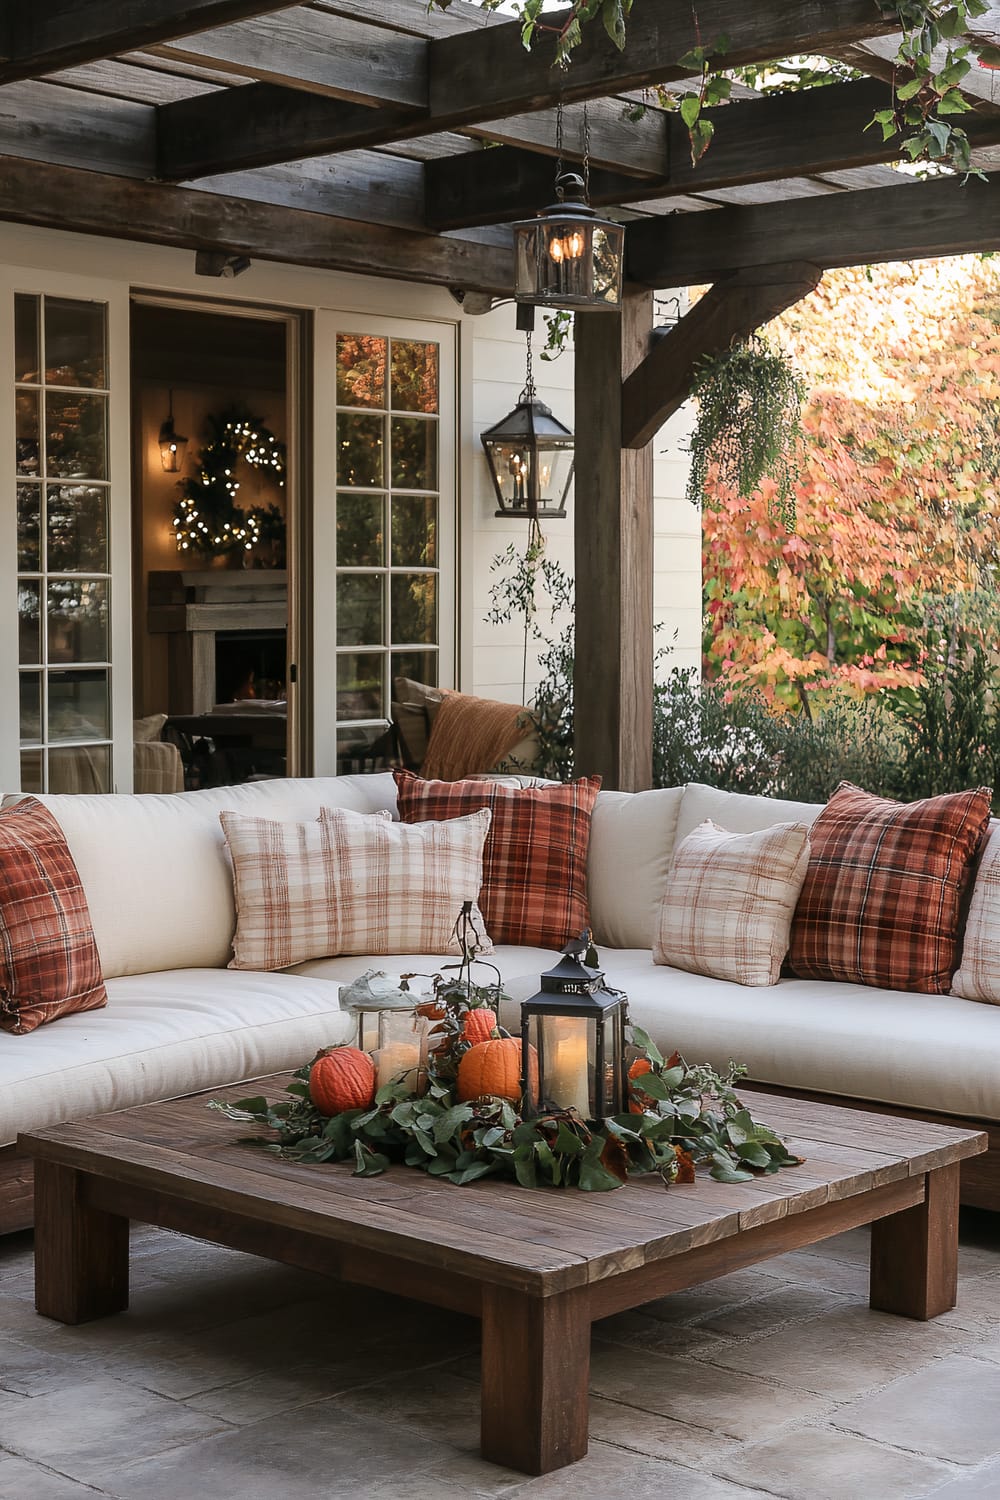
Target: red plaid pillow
column 535, row 861
column 49, row 964
column 882, row 894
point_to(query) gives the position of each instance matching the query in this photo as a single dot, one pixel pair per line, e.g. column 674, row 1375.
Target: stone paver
column 233, row 1376
column 815, row 1463
column 950, row 1410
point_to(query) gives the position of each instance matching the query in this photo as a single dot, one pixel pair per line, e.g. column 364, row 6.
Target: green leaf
column 448, row 1124
column 909, row 89
column 690, row 109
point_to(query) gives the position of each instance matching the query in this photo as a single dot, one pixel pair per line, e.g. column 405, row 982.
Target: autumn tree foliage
column 897, row 531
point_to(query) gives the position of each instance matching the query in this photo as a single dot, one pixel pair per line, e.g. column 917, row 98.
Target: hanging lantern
column 531, row 457
column 576, row 1025
column 566, row 256
column 172, row 445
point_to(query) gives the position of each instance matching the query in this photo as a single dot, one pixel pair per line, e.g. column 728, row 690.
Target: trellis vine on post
column 927, row 94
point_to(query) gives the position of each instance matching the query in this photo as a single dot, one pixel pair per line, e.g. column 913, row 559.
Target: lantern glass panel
column 569, row 262
column 402, row 1049
column 514, row 467
column 566, row 1047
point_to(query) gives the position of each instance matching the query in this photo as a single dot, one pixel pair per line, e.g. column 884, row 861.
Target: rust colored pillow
column 535, row 860
column 49, row 963
column 881, row 902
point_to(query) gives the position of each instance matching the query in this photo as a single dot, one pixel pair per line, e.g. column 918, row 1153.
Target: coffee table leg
column 536, row 1371
column 914, row 1265
column 81, row 1253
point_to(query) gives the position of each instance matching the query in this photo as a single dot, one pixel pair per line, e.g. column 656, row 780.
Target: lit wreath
column 207, row 517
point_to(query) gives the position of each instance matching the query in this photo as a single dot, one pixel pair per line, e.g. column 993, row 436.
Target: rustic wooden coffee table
column 536, row 1266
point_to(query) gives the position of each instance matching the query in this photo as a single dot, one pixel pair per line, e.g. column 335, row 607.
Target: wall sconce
column 172, row 444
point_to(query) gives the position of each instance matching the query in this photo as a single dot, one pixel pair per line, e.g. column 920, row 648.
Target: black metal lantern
column 566, row 256
column 576, row 1026
column 531, row 457
column 172, row 445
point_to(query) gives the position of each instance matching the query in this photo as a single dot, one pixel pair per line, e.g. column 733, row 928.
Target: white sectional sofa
column 159, row 885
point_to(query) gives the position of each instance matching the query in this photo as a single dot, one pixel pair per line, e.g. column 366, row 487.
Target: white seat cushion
column 162, row 1035
column 519, row 967
column 930, row 1052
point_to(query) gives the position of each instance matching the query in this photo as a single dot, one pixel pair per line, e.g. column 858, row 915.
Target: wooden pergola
column 350, row 135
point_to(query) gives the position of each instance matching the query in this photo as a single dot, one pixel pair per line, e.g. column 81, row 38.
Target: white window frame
column 115, row 296
column 330, row 323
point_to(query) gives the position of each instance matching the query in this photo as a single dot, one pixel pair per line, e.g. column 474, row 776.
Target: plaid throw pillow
column 882, row 895
column 350, row 883
column 49, row 964
column 729, row 899
column 535, row 862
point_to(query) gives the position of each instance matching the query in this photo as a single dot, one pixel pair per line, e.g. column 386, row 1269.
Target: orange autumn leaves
column 640, row 1101
column 897, row 500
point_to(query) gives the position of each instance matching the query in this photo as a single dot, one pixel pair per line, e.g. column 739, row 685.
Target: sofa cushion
column 162, row 1035
column 922, row 1052
column 882, row 895
column 49, row 964
column 978, row 976
column 158, row 879
column 520, row 967
column 535, row 864
column 632, row 838
column 728, row 903
column 739, row 813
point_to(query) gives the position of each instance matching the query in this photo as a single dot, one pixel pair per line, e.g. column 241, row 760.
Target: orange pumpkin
column 494, row 1068
column 479, row 1025
column 342, row 1078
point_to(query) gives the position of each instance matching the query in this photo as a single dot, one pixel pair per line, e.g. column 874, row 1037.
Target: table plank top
column 544, row 1239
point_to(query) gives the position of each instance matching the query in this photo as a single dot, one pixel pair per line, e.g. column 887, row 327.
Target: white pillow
column 351, row 883
column 729, row 900
column 978, row 976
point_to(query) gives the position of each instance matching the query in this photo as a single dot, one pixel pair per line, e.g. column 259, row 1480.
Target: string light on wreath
column 208, row 518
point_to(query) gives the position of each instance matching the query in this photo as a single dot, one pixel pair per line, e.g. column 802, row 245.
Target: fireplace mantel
column 198, row 603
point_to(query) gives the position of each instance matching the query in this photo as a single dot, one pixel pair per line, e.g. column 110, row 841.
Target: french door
column 384, row 526
column 65, row 564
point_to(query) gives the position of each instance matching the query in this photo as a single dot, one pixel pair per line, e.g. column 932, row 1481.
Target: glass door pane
column 61, row 459
column 384, row 527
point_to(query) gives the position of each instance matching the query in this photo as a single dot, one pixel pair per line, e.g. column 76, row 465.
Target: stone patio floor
column 234, row 1377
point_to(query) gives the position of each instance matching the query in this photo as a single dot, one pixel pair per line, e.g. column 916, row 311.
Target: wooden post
column 914, row 1257
column 613, row 505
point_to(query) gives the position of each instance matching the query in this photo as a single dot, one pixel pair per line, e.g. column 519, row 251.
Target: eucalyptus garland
column 749, row 408
column 679, row 1117
column 208, row 518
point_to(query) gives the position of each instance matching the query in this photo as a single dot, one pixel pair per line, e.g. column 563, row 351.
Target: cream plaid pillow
column 351, row 883
column 728, row 905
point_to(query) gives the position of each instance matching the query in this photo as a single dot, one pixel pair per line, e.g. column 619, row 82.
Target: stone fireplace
column 227, row 630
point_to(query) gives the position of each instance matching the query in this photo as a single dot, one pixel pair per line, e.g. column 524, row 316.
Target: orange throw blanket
column 470, row 735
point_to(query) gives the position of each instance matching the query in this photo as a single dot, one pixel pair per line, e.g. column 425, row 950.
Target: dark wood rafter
column 91, row 203
column 728, row 311
column 39, row 37
column 613, row 541
column 476, row 76
column 948, row 216
column 311, row 50
column 756, row 141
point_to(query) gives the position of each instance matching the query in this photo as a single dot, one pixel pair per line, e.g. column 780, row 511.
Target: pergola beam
column 480, row 75
column 264, row 124
column 760, row 140
column 949, row 216
column 43, row 35
column 93, row 203
column 728, row 311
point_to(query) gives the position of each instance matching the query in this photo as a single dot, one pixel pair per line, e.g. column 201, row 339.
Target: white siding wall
column 494, row 658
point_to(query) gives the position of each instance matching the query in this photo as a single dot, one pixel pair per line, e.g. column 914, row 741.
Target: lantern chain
column 560, row 194
column 528, row 394
column 586, row 153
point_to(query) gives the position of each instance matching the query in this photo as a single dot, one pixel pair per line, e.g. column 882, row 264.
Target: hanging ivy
column 208, row 518
column 749, row 407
